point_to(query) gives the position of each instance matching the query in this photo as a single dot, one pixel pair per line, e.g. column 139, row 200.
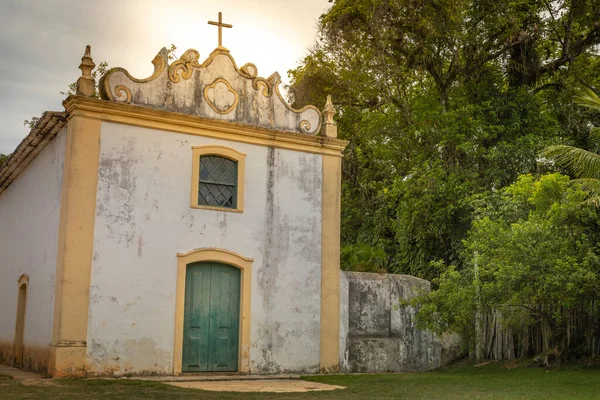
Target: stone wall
column 379, row 336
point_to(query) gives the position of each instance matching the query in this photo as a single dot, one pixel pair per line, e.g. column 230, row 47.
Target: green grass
column 460, row 382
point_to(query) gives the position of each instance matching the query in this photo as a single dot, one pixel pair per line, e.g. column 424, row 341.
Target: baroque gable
column 215, row 89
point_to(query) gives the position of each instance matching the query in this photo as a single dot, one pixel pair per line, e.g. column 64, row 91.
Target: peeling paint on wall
column 378, row 335
column 127, row 357
column 144, row 218
column 117, row 182
column 289, row 237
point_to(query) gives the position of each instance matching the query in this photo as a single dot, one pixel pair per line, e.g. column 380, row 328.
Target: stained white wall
column 143, row 219
column 29, row 211
column 344, row 321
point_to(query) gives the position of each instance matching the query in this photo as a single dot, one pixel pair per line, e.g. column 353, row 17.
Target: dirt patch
column 512, row 364
column 39, row 382
column 268, row 386
column 483, row 364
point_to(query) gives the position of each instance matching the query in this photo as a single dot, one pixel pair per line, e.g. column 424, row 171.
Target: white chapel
column 185, row 222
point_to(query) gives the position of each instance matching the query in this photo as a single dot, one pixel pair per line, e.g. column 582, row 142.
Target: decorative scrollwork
column 249, row 71
column 186, row 64
column 104, row 87
column 221, row 97
column 261, row 96
column 304, row 126
column 266, row 88
column 121, row 91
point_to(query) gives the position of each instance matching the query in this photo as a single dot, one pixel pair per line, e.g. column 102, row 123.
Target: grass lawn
column 459, row 382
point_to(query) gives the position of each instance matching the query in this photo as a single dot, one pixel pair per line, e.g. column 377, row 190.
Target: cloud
column 42, row 41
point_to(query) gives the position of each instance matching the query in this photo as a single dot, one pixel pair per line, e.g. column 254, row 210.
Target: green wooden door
column 212, row 318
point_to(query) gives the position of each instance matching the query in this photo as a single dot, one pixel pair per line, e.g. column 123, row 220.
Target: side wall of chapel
column 29, row 220
column 144, row 218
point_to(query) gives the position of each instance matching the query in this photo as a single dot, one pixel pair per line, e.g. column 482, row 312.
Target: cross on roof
column 221, row 25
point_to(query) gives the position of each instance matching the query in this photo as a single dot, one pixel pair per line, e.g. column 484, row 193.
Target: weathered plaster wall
column 29, row 212
column 143, row 219
column 344, row 321
column 378, row 335
column 217, row 89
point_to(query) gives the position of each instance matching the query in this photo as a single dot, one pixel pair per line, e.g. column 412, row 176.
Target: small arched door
column 211, row 318
column 20, row 324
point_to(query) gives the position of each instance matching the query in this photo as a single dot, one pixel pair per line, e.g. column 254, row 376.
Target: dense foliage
column 583, row 164
column 444, row 100
column 360, row 257
column 447, row 105
column 533, row 255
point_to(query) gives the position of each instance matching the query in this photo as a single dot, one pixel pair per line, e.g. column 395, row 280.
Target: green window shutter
column 217, row 182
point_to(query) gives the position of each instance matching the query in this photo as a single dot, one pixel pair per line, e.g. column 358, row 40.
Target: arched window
column 218, row 178
column 20, row 320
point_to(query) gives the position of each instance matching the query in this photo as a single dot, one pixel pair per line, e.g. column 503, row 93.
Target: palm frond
column 579, row 162
column 593, row 201
column 588, row 99
column 594, row 137
column 590, row 185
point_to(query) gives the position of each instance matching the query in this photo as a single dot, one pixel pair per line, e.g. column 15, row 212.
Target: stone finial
column 329, row 127
column 86, row 84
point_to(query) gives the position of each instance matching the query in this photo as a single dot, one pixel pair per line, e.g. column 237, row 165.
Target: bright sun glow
column 257, row 36
column 272, row 34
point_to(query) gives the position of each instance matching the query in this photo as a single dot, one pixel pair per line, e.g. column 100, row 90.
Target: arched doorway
column 20, row 323
column 232, row 268
column 211, row 318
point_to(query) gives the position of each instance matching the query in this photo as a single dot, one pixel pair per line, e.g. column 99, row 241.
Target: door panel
column 196, row 319
column 211, row 320
column 224, row 318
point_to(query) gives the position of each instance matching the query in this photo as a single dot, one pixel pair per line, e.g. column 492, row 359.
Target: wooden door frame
column 19, row 340
column 244, row 264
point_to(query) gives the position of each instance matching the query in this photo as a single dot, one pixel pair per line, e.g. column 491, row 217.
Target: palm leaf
column 593, row 201
column 588, row 99
column 579, row 162
column 590, row 185
column 594, row 137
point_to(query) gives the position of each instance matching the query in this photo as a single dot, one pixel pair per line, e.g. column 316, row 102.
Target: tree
column 581, row 163
column 362, row 258
column 531, row 260
column 3, row 158
column 447, row 42
column 443, row 101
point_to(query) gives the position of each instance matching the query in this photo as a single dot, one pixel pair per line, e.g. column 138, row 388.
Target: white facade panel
column 29, row 214
column 143, row 219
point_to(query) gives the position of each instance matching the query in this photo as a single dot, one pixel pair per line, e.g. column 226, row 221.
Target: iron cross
column 221, row 25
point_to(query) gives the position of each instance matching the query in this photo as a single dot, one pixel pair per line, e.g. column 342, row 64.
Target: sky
column 42, row 41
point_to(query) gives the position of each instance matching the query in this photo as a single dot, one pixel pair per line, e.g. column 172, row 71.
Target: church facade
column 186, row 222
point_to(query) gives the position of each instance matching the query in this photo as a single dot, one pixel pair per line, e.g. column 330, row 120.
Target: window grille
column 217, row 182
